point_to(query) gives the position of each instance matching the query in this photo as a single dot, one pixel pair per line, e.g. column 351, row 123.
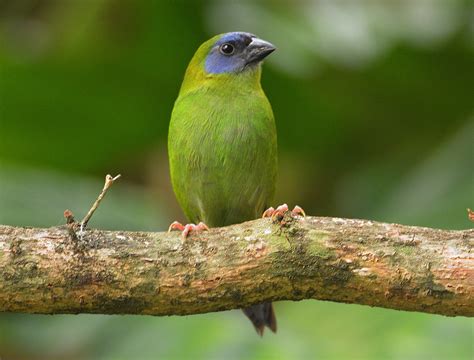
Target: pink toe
column 187, row 229
column 297, row 210
column 268, row 213
column 201, row 226
column 175, row 225
column 282, row 208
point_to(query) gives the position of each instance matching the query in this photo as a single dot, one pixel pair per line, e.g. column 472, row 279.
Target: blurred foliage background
column 374, row 109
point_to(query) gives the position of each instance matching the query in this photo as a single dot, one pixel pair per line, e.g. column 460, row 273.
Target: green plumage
column 222, row 141
column 222, row 145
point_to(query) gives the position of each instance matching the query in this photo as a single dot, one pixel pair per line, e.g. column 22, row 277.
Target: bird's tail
column 262, row 315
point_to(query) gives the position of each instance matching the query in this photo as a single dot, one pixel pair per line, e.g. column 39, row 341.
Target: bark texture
column 51, row 271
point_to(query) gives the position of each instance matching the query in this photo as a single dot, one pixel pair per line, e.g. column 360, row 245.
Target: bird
column 222, row 143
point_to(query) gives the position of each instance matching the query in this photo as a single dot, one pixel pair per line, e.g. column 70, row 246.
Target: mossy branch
column 50, row 271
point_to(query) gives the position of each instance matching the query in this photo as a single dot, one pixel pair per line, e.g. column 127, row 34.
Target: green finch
column 222, row 142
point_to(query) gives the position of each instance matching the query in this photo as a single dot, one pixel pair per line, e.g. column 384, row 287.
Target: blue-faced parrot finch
column 222, row 141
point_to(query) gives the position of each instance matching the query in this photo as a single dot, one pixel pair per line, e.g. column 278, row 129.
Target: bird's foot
column 186, row 229
column 281, row 210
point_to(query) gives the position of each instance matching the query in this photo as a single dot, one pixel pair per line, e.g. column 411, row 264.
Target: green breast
column 223, row 155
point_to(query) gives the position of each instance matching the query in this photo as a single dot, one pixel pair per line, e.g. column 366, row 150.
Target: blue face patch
column 220, row 60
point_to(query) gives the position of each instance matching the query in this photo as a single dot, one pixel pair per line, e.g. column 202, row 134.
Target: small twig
column 109, row 180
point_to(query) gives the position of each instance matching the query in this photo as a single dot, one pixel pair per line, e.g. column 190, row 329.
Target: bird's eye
column 227, row 49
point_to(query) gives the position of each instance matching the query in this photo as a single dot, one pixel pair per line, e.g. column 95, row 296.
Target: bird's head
column 227, row 55
column 235, row 52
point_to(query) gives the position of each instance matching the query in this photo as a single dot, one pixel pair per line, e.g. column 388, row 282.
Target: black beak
column 258, row 50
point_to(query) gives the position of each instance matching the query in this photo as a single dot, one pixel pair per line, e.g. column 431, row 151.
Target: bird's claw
column 298, row 211
column 269, row 212
column 281, row 210
column 176, row 225
column 186, row 229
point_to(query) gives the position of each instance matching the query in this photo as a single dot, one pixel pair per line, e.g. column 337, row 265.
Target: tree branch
column 50, row 271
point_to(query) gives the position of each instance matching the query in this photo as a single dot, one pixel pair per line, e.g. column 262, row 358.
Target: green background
column 374, row 110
